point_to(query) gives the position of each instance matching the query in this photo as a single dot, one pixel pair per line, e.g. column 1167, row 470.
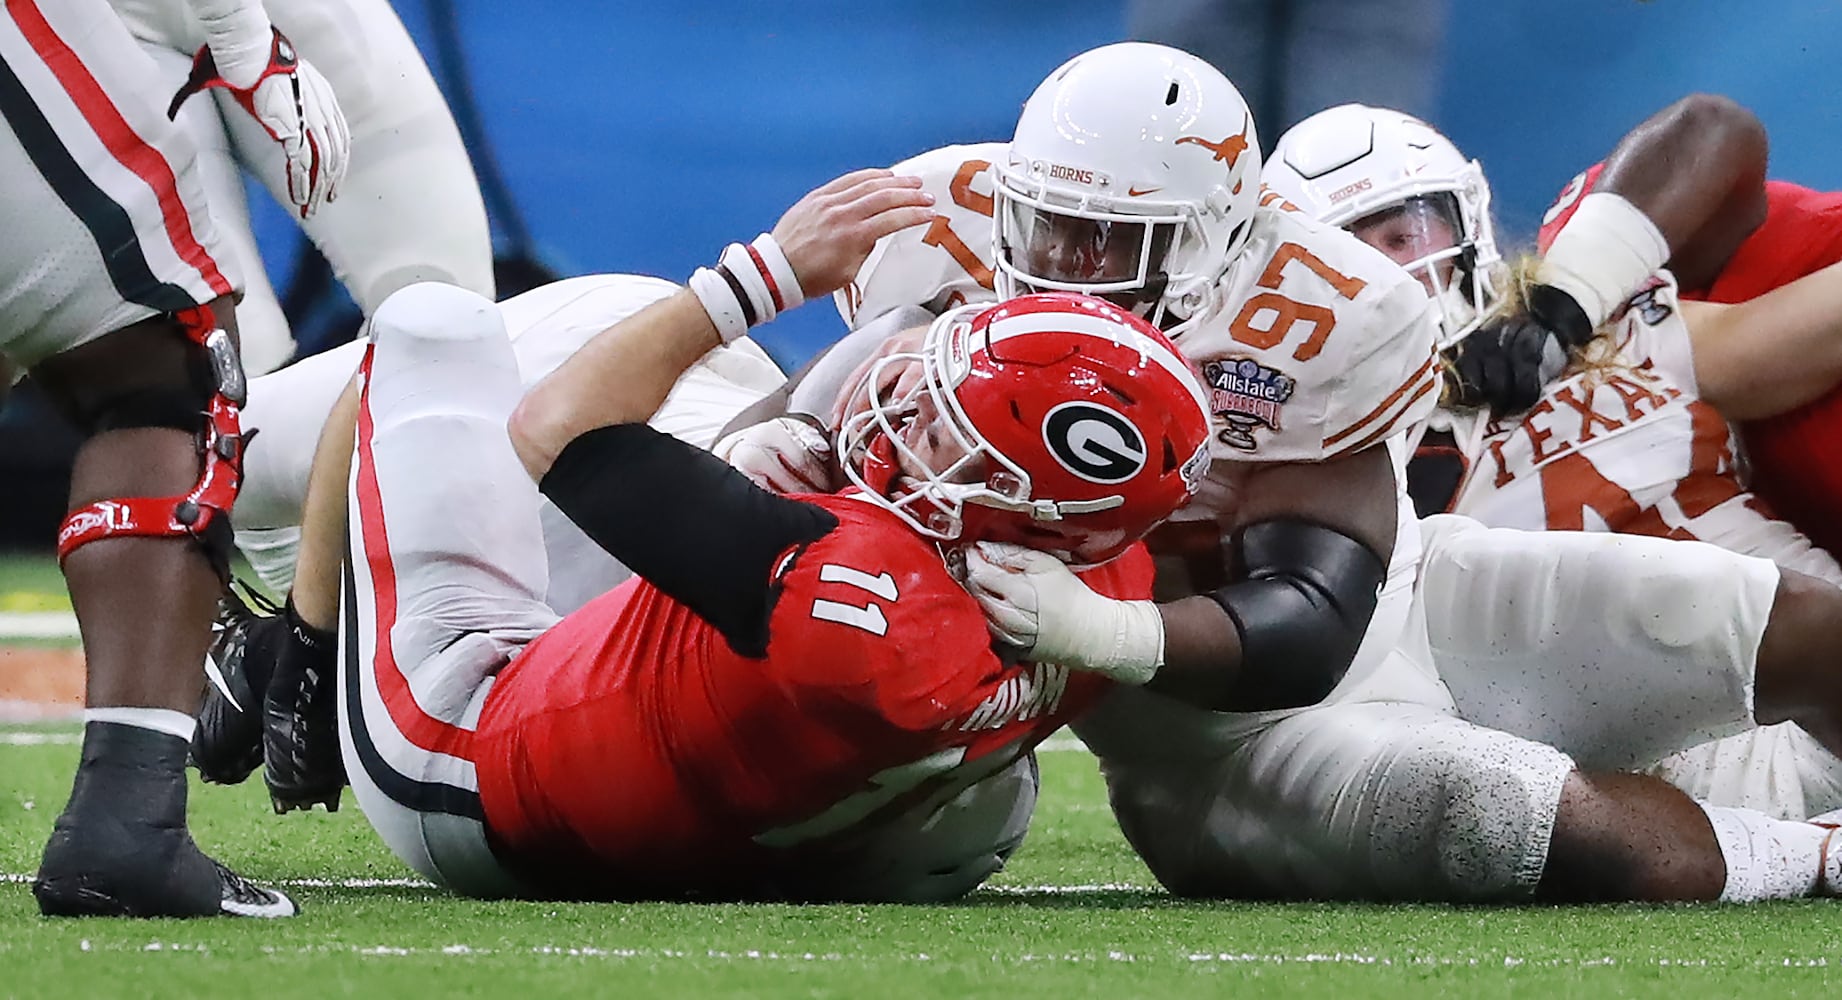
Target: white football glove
column 1034, row 601
column 785, row 454
column 258, row 66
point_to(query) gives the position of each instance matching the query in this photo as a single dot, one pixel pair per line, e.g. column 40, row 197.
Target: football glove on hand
column 785, row 455
column 1507, row 362
column 1032, row 600
column 290, row 100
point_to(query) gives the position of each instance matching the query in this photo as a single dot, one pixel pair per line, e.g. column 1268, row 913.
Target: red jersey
column 630, row 751
column 1795, row 457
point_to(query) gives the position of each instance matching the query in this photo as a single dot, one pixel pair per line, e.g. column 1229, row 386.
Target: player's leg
column 409, row 208
column 110, row 245
column 300, row 735
column 446, row 575
column 289, row 413
column 1616, row 649
column 1348, row 801
column 1779, row 770
column 263, row 333
column 120, row 845
column 1798, row 673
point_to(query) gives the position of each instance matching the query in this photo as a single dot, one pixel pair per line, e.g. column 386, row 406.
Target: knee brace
column 217, row 394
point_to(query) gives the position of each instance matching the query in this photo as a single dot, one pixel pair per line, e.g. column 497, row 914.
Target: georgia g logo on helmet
column 1098, row 444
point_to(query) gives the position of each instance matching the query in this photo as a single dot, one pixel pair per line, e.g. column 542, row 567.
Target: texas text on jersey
column 1628, row 448
column 635, row 742
column 1795, row 458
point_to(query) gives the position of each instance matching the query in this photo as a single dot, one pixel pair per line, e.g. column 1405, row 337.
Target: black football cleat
column 245, row 644
column 302, row 764
column 121, row 848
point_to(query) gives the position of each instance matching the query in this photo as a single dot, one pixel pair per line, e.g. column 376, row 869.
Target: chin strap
column 201, row 513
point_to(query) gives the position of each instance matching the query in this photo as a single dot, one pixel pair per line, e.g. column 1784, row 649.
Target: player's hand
column 828, row 234
column 1033, row 601
column 786, row 455
column 291, row 101
column 1507, row 362
column 893, row 381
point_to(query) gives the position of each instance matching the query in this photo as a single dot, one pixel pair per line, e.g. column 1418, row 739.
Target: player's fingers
column 895, row 220
column 997, row 580
column 870, row 204
column 808, row 436
column 884, row 181
column 1008, row 556
column 1005, row 618
column 848, row 181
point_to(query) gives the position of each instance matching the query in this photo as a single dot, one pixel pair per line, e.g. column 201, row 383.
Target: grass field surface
column 1075, row 915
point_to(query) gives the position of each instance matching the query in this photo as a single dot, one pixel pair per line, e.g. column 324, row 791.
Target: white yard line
column 1071, row 958
column 37, row 625
column 21, row 878
column 39, row 739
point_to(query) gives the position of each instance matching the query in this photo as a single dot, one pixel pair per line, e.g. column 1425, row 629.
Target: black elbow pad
column 1303, row 602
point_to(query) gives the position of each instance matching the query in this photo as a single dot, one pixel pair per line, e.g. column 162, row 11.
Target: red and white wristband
column 749, row 285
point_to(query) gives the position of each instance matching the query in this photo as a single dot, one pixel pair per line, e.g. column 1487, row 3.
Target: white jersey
column 1633, row 450
column 1318, row 346
column 1630, row 449
column 945, row 264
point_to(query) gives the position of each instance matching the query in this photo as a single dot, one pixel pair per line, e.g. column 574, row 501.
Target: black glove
column 1506, row 363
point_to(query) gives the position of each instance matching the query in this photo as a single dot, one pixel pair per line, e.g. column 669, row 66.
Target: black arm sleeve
column 1303, row 602
column 684, row 520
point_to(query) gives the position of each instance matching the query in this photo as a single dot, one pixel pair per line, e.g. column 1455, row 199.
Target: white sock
column 160, row 720
column 1766, row 858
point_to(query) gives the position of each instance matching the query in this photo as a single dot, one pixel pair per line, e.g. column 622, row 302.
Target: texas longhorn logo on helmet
column 1228, row 150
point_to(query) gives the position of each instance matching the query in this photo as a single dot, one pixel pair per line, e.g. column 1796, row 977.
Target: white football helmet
column 1135, row 172
column 1352, row 165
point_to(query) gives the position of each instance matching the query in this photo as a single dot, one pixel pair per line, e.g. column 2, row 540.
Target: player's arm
column 1771, row 354
column 676, row 515
column 1309, row 551
column 1697, row 170
column 246, row 56
column 1685, row 188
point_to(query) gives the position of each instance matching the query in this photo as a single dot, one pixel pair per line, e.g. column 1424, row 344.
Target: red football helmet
column 1057, row 421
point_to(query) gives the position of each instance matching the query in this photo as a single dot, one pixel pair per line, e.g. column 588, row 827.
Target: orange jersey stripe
column 1389, row 426
column 1432, row 362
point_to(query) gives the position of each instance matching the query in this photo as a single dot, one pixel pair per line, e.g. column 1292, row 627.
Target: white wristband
column 779, row 271
column 1603, row 254
column 720, row 302
column 736, row 263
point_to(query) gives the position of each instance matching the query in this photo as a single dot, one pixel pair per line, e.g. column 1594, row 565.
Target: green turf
column 1064, row 927
column 30, row 581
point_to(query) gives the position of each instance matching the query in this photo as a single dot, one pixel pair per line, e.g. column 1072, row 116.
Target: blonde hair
column 1596, row 358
